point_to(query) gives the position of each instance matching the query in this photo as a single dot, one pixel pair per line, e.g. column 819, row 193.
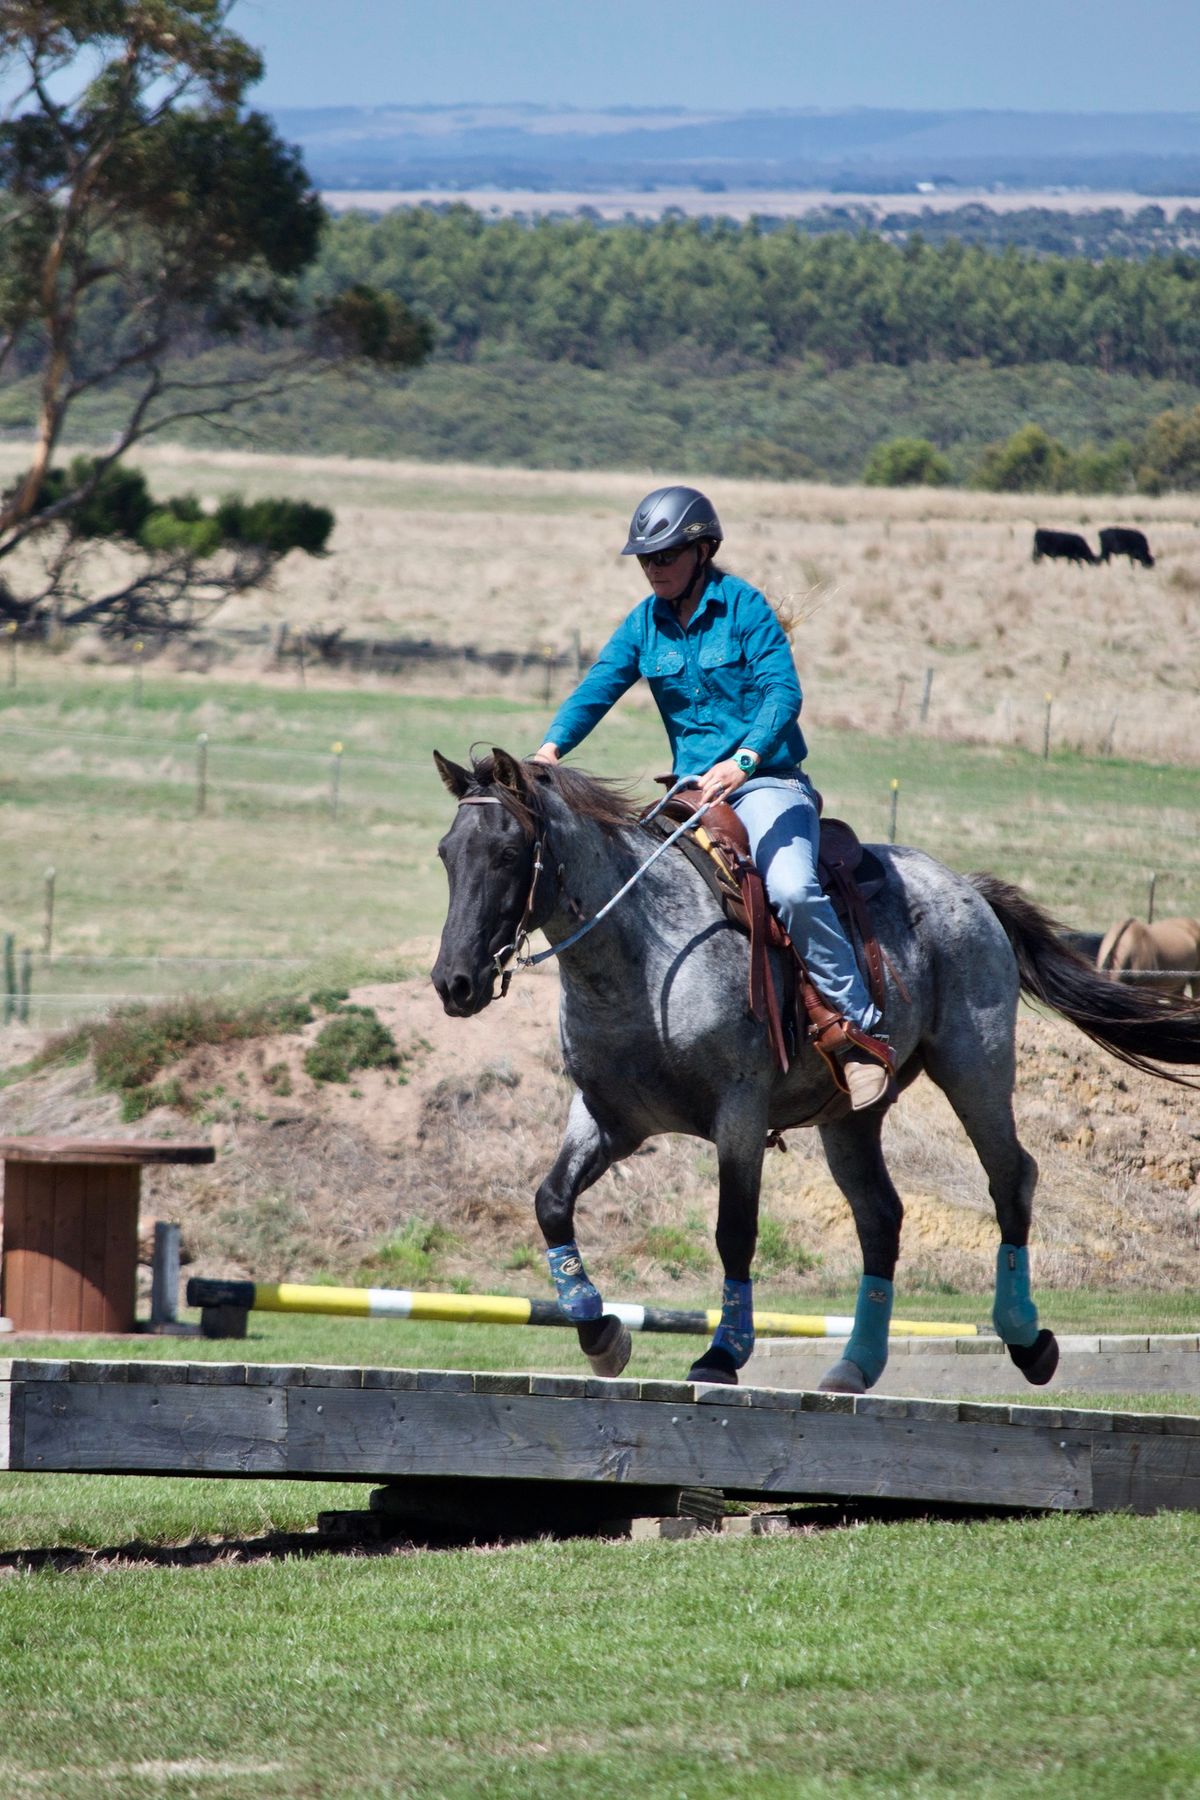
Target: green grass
column 993, row 1659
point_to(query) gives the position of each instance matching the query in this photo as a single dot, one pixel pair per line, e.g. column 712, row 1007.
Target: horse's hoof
column 612, row 1348
column 844, row 1378
column 1037, row 1361
column 716, row 1366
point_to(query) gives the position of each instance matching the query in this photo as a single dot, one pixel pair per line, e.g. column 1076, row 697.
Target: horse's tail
column 1140, row 1028
column 1108, row 957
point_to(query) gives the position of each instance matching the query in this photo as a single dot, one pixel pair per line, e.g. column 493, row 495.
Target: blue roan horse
column 656, row 1037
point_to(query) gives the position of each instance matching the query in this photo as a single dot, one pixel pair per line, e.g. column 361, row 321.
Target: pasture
column 181, row 1637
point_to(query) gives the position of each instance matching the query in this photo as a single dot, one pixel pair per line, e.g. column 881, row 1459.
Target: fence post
column 138, row 648
column 25, row 985
column 1150, row 900
column 164, row 1276
column 48, row 920
column 896, row 721
column 335, row 780
column 576, row 657
column 1106, row 747
column 925, row 693
column 201, row 772
column 10, row 977
column 895, row 807
column 1046, row 728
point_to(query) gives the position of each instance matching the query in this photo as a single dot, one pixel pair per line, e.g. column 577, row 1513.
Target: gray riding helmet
column 670, row 516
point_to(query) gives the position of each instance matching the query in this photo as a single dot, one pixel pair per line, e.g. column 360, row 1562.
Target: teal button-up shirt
column 728, row 682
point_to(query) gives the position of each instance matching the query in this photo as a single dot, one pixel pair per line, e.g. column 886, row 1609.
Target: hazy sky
column 1060, row 55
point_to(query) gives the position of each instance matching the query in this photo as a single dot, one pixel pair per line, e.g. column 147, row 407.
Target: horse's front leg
column 739, row 1162
column 587, row 1151
column 854, row 1152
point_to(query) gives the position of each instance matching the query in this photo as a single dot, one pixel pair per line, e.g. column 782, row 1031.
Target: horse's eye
column 508, row 856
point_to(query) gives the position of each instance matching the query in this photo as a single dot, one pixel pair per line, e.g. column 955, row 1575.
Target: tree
column 906, row 462
column 1170, row 453
column 144, row 215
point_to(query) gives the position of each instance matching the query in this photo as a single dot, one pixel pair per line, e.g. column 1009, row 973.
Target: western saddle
column 850, row 874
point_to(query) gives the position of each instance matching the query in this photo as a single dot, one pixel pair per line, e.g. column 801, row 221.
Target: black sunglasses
column 662, row 559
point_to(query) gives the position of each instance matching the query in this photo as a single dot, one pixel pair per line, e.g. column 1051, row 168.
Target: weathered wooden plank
column 380, row 1435
column 103, row 1150
column 1147, row 1474
column 139, row 1428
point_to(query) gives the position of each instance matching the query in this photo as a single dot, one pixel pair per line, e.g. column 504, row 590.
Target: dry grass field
column 888, row 585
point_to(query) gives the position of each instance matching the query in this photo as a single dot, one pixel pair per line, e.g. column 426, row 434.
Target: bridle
column 517, row 955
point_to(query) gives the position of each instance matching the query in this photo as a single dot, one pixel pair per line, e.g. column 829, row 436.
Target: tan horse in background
column 1167, row 944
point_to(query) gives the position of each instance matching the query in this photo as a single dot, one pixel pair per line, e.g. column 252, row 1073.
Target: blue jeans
column 780, row 816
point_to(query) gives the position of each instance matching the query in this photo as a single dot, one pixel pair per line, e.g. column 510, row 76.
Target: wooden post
column 925, row 693
column 895, row 805
column 897, row 720
column 48, row 918
column 1150, row 900
column 1046, row 729
column 10, row 977
column 25, row 985
column 335, row 780
column 138, row 648
column 1106, row 748
column 202, row 772
column 164, row 1276
column 548, row 659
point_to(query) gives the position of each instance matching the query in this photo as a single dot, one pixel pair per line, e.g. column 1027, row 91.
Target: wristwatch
column 746, row 761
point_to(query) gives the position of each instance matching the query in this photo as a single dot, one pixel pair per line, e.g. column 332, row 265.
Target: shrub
column 1029, row 462
column 1103, row 471
column 780, row 1252
column 1170, row 453
column 276, row 525
column 165, row 530
column 130, row 1047
column 677, row 1251
column 906, row 462
column 410, row 1256
column 354, row 1038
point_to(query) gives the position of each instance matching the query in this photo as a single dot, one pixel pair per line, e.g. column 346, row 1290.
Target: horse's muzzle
column 463, row 995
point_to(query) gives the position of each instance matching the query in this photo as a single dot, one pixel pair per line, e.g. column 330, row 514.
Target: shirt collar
column 713, row 595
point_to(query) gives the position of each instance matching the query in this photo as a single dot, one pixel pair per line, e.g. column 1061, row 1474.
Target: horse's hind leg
column 587, row 1151
column 980, row 1091
column 854, row 1153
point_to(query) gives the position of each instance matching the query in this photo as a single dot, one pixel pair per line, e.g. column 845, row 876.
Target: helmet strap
column 703, row 565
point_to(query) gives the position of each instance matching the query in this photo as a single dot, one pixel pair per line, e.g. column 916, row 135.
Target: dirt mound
column 425, row 1173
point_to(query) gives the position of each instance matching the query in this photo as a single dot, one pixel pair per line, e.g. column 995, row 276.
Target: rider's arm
column 769, row 655
column 614, row 670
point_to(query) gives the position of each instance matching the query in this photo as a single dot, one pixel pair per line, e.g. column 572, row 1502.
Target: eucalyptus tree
column 154, row 233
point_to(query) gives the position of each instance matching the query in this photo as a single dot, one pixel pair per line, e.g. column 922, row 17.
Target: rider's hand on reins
column 721, row 781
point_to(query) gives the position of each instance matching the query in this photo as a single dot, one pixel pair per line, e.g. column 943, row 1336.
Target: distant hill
column 864, row 149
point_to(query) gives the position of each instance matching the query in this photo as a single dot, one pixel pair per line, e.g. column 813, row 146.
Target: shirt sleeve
column 769, row 655
column 614, row 670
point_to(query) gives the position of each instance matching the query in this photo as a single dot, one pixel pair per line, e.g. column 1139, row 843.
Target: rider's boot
column 867, row 1079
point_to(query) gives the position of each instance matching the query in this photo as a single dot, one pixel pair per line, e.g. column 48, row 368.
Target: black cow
column 1062, row 543
column 1121, row 540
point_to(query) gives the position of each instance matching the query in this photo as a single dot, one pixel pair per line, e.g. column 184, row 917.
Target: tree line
column 736, row 295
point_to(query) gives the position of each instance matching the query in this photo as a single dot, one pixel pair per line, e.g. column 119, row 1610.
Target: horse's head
column 490, row 857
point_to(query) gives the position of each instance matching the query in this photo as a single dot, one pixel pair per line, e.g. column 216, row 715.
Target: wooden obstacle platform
column 979, row 1365
column 554, row 1433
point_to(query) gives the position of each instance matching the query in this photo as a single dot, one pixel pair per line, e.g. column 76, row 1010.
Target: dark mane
column 611, row 804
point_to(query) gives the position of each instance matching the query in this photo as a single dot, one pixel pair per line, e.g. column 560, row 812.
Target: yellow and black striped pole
column 503, row 1309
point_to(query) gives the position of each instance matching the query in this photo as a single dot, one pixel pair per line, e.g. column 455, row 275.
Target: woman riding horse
column 722, row 675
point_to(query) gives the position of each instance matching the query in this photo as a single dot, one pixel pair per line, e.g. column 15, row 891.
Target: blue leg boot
column 733, row 1340
column 1033, row 1350
column 604, row 1340
column 867, row 1350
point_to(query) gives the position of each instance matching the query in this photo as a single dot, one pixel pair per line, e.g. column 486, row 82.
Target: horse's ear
column 458, row 780
column 507, row 771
